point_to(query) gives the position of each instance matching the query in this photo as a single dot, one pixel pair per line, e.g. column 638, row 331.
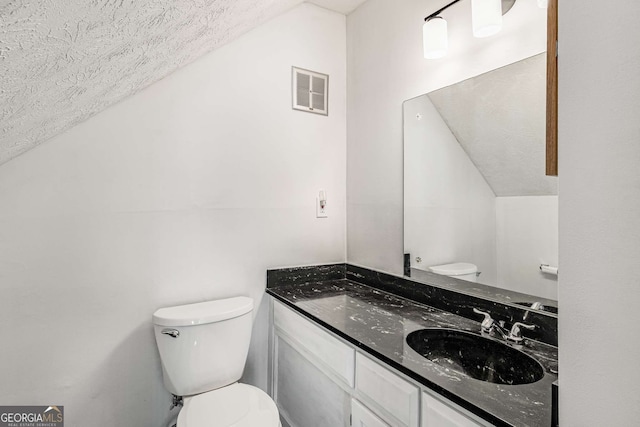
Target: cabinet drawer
column 438, row 414
column 363, row 417
column 319, row 345
column 386, row 392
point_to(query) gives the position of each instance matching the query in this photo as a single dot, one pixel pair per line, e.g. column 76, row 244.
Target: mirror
column 475, row 190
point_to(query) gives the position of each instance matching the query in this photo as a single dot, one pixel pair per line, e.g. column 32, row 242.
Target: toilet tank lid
column 455, row 269
column 203, row 312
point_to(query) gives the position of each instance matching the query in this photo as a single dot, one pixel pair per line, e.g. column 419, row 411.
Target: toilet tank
column 203, row 346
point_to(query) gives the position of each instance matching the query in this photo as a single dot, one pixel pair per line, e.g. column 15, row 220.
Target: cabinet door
column 363, row 417
column 305, row 396
column 438, row 414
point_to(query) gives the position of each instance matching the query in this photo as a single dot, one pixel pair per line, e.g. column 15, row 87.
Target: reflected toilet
column 459, row 270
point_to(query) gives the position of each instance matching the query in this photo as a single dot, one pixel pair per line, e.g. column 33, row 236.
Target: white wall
column 386, row 67
column 187, row 191
column 527, row 236
column 449, row 209
column 599, row 154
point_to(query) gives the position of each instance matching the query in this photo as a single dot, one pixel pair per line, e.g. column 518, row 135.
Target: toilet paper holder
column 546, row 268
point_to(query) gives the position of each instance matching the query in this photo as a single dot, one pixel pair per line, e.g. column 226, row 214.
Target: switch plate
column 320, row 211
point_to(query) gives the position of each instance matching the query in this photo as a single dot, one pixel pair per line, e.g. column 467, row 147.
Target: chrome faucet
column 491, row 327
column 515, row 335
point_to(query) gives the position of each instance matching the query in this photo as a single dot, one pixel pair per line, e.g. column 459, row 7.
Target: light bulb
column 434, row 38
column 486, row 17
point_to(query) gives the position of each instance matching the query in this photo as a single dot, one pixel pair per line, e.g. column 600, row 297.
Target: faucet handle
column 537, row 306
column 516, row 332
column 488, row 322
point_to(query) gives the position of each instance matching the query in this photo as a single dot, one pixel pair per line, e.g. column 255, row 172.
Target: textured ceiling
column 62, row 61
column 499, row 120
column 342, row 6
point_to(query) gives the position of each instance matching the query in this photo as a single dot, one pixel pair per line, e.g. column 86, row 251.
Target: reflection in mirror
column 475, row 190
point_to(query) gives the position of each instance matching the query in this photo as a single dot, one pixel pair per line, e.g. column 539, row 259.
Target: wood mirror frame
column 552, row 89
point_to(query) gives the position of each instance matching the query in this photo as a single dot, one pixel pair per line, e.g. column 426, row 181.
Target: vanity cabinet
column 320, row 380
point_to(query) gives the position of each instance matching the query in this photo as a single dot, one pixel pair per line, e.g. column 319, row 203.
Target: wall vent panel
column 310, row 91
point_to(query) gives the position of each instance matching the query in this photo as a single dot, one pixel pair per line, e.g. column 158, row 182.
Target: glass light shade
column 486, row 17
column 434, row 38
column 543, row 4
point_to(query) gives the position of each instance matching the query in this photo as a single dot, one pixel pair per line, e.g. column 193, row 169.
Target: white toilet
column 459, row 270
column 203, row 348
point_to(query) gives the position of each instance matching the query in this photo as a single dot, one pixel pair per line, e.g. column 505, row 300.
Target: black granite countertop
column 378, row 322
column 481, row 290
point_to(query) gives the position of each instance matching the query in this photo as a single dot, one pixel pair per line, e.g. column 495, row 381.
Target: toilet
column 203, row 348
column 459, row 270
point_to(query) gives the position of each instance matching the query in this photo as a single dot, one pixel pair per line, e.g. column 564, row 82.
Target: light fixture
column 486, row 17
column 434, row 38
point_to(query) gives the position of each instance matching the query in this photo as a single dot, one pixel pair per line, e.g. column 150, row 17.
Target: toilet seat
column 236, row 405
column 455, row 269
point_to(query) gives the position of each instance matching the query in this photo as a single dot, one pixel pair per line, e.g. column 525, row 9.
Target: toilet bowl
column 203, row 348
column 238, row 405
column 459, row 270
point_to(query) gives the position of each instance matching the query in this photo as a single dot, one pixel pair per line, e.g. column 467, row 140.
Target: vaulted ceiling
column 63, row 61
column 499, row 120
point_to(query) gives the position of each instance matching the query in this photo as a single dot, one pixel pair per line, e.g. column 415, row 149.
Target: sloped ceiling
column 499, row 120
column 62, row 61
column 341, row 6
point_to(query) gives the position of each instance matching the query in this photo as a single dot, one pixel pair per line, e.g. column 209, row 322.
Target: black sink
column 475, row 356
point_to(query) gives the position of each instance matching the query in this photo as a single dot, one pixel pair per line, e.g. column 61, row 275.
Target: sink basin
column 475, row 356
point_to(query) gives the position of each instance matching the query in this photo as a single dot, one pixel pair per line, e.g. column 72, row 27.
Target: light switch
column 321, row 204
